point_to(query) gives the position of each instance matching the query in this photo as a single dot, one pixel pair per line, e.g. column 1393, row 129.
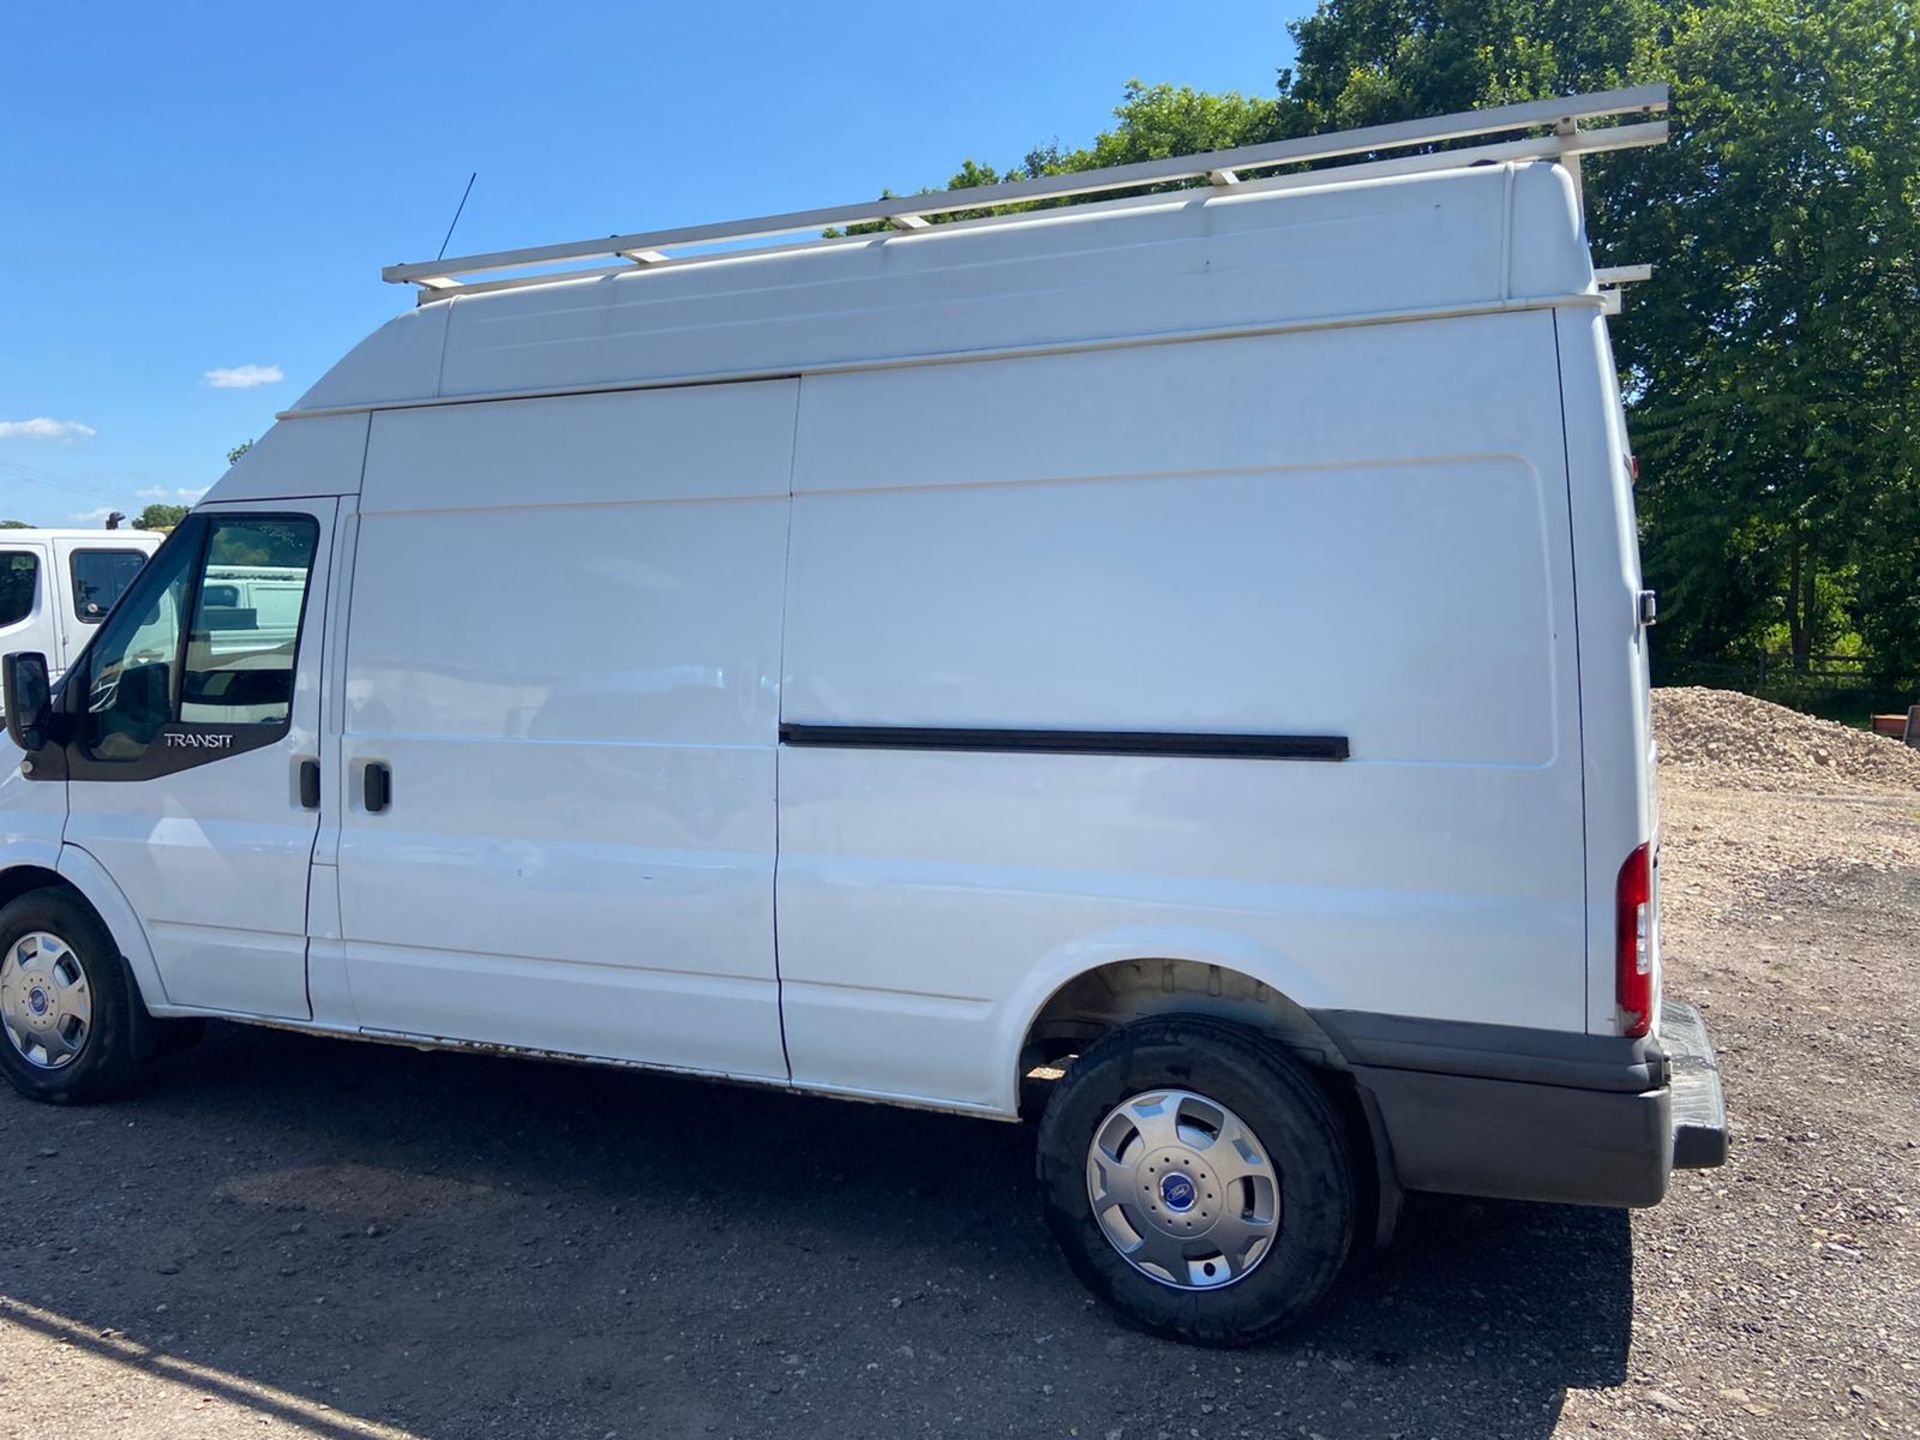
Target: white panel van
column 1174, row 668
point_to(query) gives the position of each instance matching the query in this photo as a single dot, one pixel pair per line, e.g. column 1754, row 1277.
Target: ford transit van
column 1172, row 667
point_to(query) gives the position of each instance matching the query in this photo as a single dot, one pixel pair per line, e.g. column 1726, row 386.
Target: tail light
column 1633, row 944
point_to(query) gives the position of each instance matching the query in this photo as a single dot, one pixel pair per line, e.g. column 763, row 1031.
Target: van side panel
column 76, row 558
column 31, row 576
column 564, row 641
column 1615, row 698
column 1359, row 533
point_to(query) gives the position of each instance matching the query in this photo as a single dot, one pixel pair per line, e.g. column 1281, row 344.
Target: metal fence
column 1839, row 687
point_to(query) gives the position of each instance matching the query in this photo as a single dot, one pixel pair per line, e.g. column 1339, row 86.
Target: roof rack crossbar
column 1224, row 170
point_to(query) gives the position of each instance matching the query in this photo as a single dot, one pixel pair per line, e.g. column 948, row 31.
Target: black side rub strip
column 1069, row 742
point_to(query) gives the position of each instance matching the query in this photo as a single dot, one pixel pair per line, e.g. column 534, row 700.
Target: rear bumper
column 1699, row 1104
column 1572, row 1119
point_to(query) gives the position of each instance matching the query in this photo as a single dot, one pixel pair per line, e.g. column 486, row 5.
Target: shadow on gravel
column 463, row 1245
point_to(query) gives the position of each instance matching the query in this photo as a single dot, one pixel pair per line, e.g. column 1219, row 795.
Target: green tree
column 1775, row 363
column 14, row 525
column 233, row 455
column 160, row 517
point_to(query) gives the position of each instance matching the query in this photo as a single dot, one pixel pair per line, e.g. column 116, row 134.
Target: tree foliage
column 1773, row 366
column 160, row 517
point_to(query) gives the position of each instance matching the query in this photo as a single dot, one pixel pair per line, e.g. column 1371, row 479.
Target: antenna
column 456, row 214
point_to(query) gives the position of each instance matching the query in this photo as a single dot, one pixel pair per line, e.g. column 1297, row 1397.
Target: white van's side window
column 100, row 578
column 233, row 667
column 19, row 579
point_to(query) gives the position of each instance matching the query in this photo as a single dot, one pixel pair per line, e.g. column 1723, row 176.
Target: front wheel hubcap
column 1183, row 1189
column 46, row 1007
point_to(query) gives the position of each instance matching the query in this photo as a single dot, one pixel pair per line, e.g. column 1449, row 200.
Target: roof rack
column 1225, row 171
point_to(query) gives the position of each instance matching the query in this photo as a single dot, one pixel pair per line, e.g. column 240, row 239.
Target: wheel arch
column 79, row 874
column 1101, row 998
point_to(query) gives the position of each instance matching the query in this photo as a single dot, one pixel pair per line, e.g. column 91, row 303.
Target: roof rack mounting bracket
column 1609, row 278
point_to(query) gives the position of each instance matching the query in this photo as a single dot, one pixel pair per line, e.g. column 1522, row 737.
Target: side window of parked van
column 100, row 578
column 19, row 578
column 233, row 666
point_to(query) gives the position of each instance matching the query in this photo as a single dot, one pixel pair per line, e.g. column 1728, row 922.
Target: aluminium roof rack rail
column 1224, row 170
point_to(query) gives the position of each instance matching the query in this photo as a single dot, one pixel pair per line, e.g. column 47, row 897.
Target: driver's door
column 189, row 724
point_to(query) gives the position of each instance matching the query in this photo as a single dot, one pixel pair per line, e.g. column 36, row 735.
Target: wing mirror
column 29, row 698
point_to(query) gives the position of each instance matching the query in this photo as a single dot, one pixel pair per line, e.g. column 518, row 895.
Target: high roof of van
column 1175, row 265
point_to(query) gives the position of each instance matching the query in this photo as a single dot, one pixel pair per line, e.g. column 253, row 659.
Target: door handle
column 310, row 784
column 376, row 786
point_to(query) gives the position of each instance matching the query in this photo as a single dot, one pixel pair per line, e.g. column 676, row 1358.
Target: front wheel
column 1198, row 1179
column 66, row 1004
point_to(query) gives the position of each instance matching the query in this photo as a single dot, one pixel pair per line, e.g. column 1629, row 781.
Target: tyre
column 66, row 1003
column 1198, row 1179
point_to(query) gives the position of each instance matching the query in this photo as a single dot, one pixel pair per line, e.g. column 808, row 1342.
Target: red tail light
column 1633, row 944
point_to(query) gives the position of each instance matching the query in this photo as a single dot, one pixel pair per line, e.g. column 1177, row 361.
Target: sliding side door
column 561, row 711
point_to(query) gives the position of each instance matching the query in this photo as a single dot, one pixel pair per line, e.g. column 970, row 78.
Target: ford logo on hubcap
column 38, row 1000
column 1177, row 1192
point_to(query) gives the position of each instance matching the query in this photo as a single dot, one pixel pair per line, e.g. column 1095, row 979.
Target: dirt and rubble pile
column 1734, row 739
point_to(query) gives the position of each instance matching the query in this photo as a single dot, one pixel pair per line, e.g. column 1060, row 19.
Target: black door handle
column 310, row 784
column 376, row 786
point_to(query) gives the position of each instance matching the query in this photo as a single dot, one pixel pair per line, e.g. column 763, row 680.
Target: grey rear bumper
column 1579, row 1119
column 1699, row 1104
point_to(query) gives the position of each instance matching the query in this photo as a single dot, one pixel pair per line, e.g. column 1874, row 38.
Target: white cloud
column 92, row 517
column 45, row 429
column 161, row 495
column 245, row 377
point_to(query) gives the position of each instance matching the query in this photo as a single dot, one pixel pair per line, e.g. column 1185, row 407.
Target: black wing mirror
column 29, row 698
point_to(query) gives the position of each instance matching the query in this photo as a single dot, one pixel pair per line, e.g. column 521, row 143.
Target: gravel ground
column 315, row 1237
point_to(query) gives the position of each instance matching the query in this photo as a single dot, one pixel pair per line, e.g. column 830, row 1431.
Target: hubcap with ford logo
column 46, row 1007
column 1183, row 1189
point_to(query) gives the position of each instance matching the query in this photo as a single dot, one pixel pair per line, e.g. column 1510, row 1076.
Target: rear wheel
column 66, row 1004
column 1198, row 1179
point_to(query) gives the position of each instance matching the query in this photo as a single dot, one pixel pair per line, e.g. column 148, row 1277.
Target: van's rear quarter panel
column 1618, row 729
column 1357, row 532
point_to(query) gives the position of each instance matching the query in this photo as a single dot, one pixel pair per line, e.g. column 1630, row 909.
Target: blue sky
column 196, row 197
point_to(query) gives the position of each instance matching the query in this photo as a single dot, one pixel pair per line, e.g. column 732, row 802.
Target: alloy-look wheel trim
column 1183, row 1189
column 46, row 1006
